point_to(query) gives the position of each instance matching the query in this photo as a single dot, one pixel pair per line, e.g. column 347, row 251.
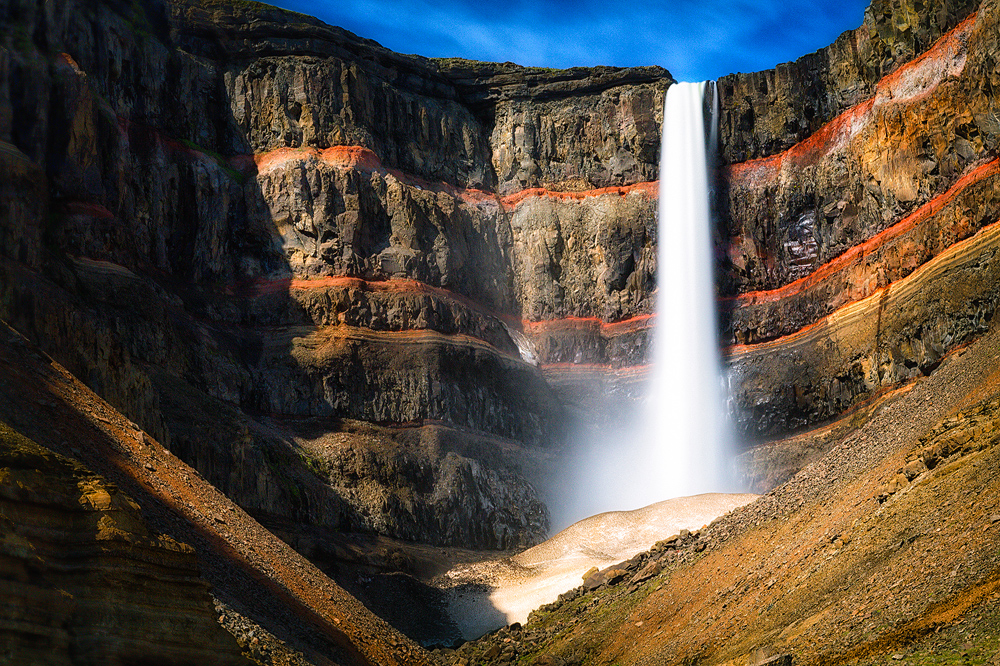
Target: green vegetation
column 219, row 160
column 315, row 465
column 454, row 63
column 138, row 21
column 459, row 62
column 972, row 641
column 20, row 40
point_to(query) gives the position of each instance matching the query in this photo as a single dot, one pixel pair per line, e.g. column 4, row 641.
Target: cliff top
column 487, row 82
column 241, row 29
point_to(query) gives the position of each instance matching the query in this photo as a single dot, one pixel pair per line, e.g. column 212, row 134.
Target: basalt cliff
column 270, row 278
column 305, row 263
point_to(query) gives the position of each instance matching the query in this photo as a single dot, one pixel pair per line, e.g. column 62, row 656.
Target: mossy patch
column 20, row 453
column 973, row 640
column 217, row 158
column 320, row 468
column 32, row 473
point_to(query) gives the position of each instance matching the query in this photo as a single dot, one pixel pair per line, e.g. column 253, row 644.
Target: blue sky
column 694, row 39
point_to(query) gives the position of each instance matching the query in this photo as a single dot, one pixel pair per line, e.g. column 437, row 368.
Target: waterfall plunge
column 680, row 442
column 686, row 426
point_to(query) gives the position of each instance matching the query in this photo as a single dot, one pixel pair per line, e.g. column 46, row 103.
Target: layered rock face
column 85, row 581
column 861, row 199
column 362, row 291
column 764, row 113
column 289, row 230
column 310, row 265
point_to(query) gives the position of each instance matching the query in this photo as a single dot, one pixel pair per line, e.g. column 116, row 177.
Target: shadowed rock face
column 227, row 219
column 85, row 581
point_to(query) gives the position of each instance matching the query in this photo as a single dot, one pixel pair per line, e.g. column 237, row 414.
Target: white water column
column 690, row 440
column 679, row 441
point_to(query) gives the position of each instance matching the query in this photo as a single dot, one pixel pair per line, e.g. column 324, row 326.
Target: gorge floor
column 845, row 563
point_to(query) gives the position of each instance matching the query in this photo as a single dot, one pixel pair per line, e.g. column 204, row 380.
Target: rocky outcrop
column 572, row 131
column 85, row 580
column 901, row 333
column 231, row 205
column 866, row 169
column 290, row 81
column 584, row 341
column 764, row 113
column 860, row 255
column 584, row 255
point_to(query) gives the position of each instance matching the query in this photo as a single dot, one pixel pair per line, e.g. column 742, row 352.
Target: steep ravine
column 364, row 292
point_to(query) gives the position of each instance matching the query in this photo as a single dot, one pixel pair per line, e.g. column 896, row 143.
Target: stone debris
column 510, row 644
column 955, row 436
column 776, row 660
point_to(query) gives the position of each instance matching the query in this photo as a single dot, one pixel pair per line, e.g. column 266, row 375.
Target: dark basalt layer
column 85, row 581
column 878, row 200
column 188, row 172
column 896, row 335
column 305, row 263
column 184, row 177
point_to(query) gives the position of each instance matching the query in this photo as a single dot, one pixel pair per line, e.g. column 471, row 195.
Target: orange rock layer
column 606, row 329
column 856, row 254
column 913, row 80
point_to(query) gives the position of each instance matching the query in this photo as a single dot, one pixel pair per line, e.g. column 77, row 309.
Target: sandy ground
column 486, row 595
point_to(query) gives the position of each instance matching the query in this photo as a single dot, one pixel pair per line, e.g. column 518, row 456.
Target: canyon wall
column 316, row 269
column 374, row 292
column 859, row 208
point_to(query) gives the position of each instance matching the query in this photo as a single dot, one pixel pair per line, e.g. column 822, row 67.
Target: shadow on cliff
column 142, row 251
column 138, row 256
column 728, row 277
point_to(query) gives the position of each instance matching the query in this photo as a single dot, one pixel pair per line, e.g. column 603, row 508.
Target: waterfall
column 679, row 442
column 686, row 425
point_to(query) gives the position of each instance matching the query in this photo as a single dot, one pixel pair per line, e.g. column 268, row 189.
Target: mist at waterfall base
column 678, row 440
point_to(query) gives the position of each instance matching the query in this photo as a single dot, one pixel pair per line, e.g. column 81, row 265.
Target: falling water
column 679, row 443
column 686, row 428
